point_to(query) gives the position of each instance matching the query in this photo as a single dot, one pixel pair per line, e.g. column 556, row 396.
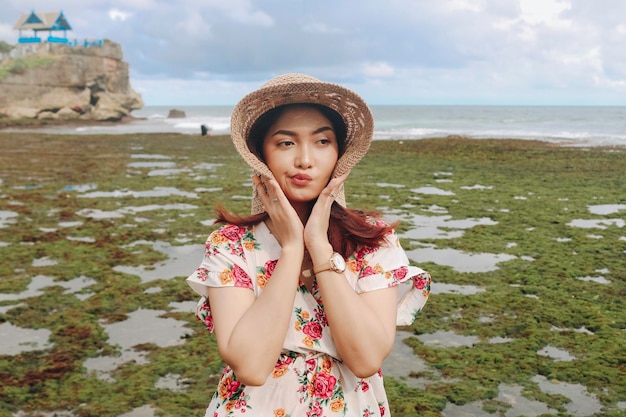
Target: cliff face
column 56, row 81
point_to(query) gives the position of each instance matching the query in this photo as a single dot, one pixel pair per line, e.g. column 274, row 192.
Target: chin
column 302, row 199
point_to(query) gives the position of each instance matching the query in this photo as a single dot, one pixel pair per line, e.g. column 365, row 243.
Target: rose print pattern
column 203, row 313
column 309, row 379
column 311, row 327
column 263, row 273
column 234, row 239
column 320, row 388
column 231, row 395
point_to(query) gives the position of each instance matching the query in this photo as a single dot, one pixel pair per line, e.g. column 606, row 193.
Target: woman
column 304, row 294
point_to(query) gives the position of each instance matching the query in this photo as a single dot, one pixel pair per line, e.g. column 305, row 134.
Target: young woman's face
column 301, row 150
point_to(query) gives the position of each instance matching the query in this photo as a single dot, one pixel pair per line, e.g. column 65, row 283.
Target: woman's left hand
column 316, row 228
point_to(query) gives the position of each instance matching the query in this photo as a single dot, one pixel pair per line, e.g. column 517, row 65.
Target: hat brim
column 353, row 110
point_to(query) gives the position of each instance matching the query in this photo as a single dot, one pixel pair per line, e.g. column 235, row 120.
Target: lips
column 301, row 179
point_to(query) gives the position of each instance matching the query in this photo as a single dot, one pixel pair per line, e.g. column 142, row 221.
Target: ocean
column 569, row 125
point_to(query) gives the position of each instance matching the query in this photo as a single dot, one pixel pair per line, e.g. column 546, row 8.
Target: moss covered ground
column 532, row 192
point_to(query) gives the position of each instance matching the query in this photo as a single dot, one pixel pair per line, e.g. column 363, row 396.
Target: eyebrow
column 292, row 133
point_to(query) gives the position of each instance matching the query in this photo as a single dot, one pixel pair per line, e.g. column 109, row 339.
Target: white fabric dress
column 309, row 378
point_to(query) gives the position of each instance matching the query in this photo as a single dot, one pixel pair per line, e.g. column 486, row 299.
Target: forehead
column 301, row 115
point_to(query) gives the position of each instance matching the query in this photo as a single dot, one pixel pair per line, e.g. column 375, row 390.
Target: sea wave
column 584, row 126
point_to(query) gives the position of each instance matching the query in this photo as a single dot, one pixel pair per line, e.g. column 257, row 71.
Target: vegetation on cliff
column 5, row 47
column 19, row 66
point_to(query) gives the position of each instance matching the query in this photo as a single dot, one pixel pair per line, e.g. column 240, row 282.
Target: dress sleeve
column 224, row 265
column 388, row 266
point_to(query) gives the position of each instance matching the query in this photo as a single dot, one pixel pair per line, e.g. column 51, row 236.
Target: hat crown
column 293, row 78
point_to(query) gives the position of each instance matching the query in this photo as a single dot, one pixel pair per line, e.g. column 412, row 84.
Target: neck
column 303, row 210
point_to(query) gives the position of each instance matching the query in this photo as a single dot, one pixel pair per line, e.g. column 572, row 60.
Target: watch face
column 339, row 263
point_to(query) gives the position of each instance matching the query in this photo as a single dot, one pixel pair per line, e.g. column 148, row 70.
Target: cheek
column 330, row 161
column 276, row 164
column 270, row 158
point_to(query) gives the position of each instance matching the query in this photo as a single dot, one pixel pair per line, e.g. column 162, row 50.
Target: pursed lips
column 301, row 179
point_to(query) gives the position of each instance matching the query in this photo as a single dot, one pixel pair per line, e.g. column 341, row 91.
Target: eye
column 284, row 143
column 326, row 141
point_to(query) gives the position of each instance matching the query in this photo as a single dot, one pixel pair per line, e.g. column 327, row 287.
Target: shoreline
column 6, row 124
column 565, row 127
column 41, row 130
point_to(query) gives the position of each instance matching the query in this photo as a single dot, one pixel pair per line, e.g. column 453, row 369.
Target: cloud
column 377, row 70
column 241, row 11
column 6, row 32
column 116, row 14
column 544, row 11
column 320, row 27
column 402, row 51
column 471, row 5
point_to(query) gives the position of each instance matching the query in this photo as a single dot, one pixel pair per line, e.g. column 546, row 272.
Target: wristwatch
column 336, row 263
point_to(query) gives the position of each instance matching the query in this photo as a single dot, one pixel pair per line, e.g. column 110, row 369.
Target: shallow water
column 596, row 223
column 439, row 227
column 443, row 288
column 180, row 258
column 556, row 354
column 598, row 280
column 39, row 282
column 401, row 362
column 152, row 164
column 14, row 340
column 458, row 260
column 605, row 209
column 447, row 339
column 582, row 403
column 7, row 218
column 142, row 326
column 508, row 394
column 155, row 192
column 431, row 191
column 98, row 214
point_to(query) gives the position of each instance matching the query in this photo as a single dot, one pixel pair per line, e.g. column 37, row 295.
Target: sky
column 402, row 52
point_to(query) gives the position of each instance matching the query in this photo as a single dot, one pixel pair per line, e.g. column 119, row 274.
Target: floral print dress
column 309, row 378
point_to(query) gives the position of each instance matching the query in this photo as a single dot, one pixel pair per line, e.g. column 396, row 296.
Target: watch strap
column 327, row 266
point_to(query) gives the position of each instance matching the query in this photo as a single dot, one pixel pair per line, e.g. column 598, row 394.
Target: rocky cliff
column 58, row 81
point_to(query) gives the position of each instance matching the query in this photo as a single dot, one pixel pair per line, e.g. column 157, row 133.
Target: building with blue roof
column 37, row 22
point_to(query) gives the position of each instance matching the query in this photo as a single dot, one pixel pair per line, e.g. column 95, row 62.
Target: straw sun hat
column 300, row 88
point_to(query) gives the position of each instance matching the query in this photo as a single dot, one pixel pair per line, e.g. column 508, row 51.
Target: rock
column 110, row 106
column 90, row 83
column 58, row 97
column 47, row 115
column 176, row 114
column 16, row 112
column 67, row 114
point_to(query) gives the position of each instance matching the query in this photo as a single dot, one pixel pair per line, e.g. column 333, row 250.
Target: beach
column 525, row 240
column 564, row 125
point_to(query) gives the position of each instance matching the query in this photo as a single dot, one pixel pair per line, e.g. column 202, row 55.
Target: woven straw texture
column 300, row 88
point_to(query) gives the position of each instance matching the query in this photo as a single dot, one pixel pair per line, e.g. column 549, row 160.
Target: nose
column 303, row 159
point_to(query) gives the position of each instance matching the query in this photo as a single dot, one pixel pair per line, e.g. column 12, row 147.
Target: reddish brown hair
column 348, row 229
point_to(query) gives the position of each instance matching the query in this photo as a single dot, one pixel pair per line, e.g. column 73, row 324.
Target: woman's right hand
column 286, row 224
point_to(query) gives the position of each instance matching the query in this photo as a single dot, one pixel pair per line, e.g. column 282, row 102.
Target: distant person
column 204, row 130
column 304, row 294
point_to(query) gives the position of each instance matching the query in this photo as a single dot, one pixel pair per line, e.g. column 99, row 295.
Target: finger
column 273, row 190
column 334, row 186
column 267, row 189
column 259, row 190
